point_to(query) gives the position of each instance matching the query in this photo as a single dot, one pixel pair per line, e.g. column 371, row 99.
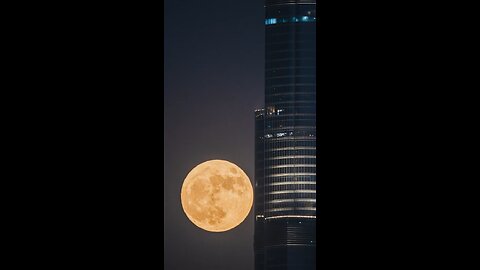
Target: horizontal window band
column 293, row 182
column 291, row 76
column 270, row 139
column 289, row 68
column 299, row 102
column 292, row 138
column 274, row 83
column 274, row 164
column 290, row 170
column 290, row 89
column 303, row 34
column 276, row 38
column 279, row 145
column 291, row 200
column 271, row 132
column 293, row 45
column 310, row 186
column 294, row 54
column 279, row 47
column 286, row 65
column 287, row 100
column 290, row 109
column 299, row 144
column 284, row 245
column 291, row 166
column 290, row 114
column 291, row 148
column 292, row 50
column 292, row 80
column 291, row 216
column 285, row 133
column 291, row 72
column 308, row 107
column 291, row 38
column 291, row 209
column 285, row 81
column 291, row 84
column 288, row 183
column 288, row 92
column 295, row 128
column 302, row 169
column 284, row 139
column 291, row 54
column 308, row 102
column 309, row 153
column 287, row 158
column 268, row 177
column 298, row 41
column 307, row 142
column 291, row 191
column 311, row 179
column 304, row 157
column 280, row 134
column 291, row 92
column 292, row 177
column 295, row 19
column 292, row 156
column 289, row 119
column 290, row 58
column 290, row 25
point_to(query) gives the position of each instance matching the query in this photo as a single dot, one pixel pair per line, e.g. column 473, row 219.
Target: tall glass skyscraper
column 285, row 140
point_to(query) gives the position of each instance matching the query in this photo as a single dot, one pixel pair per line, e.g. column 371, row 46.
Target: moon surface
column 217, row 195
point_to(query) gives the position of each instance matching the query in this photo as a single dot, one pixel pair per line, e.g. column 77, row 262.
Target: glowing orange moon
column 217, row 195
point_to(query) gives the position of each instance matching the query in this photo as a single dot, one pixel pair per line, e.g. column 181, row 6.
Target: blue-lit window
column 270, row 21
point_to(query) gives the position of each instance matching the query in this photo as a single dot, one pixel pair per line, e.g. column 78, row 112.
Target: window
column 271, row 21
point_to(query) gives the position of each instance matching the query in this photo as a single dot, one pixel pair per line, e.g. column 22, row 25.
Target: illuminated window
column 271, row 21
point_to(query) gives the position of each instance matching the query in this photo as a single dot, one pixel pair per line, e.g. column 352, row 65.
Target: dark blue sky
column 214, row 80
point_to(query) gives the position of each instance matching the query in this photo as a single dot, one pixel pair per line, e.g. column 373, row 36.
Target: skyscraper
column 285, row 140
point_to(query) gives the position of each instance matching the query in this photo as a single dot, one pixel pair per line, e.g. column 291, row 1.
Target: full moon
column 217, row 195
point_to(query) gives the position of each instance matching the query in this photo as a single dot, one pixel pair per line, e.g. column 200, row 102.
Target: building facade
column 285, row 140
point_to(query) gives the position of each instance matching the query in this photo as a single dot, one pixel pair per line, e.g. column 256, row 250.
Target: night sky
column 214, row 80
